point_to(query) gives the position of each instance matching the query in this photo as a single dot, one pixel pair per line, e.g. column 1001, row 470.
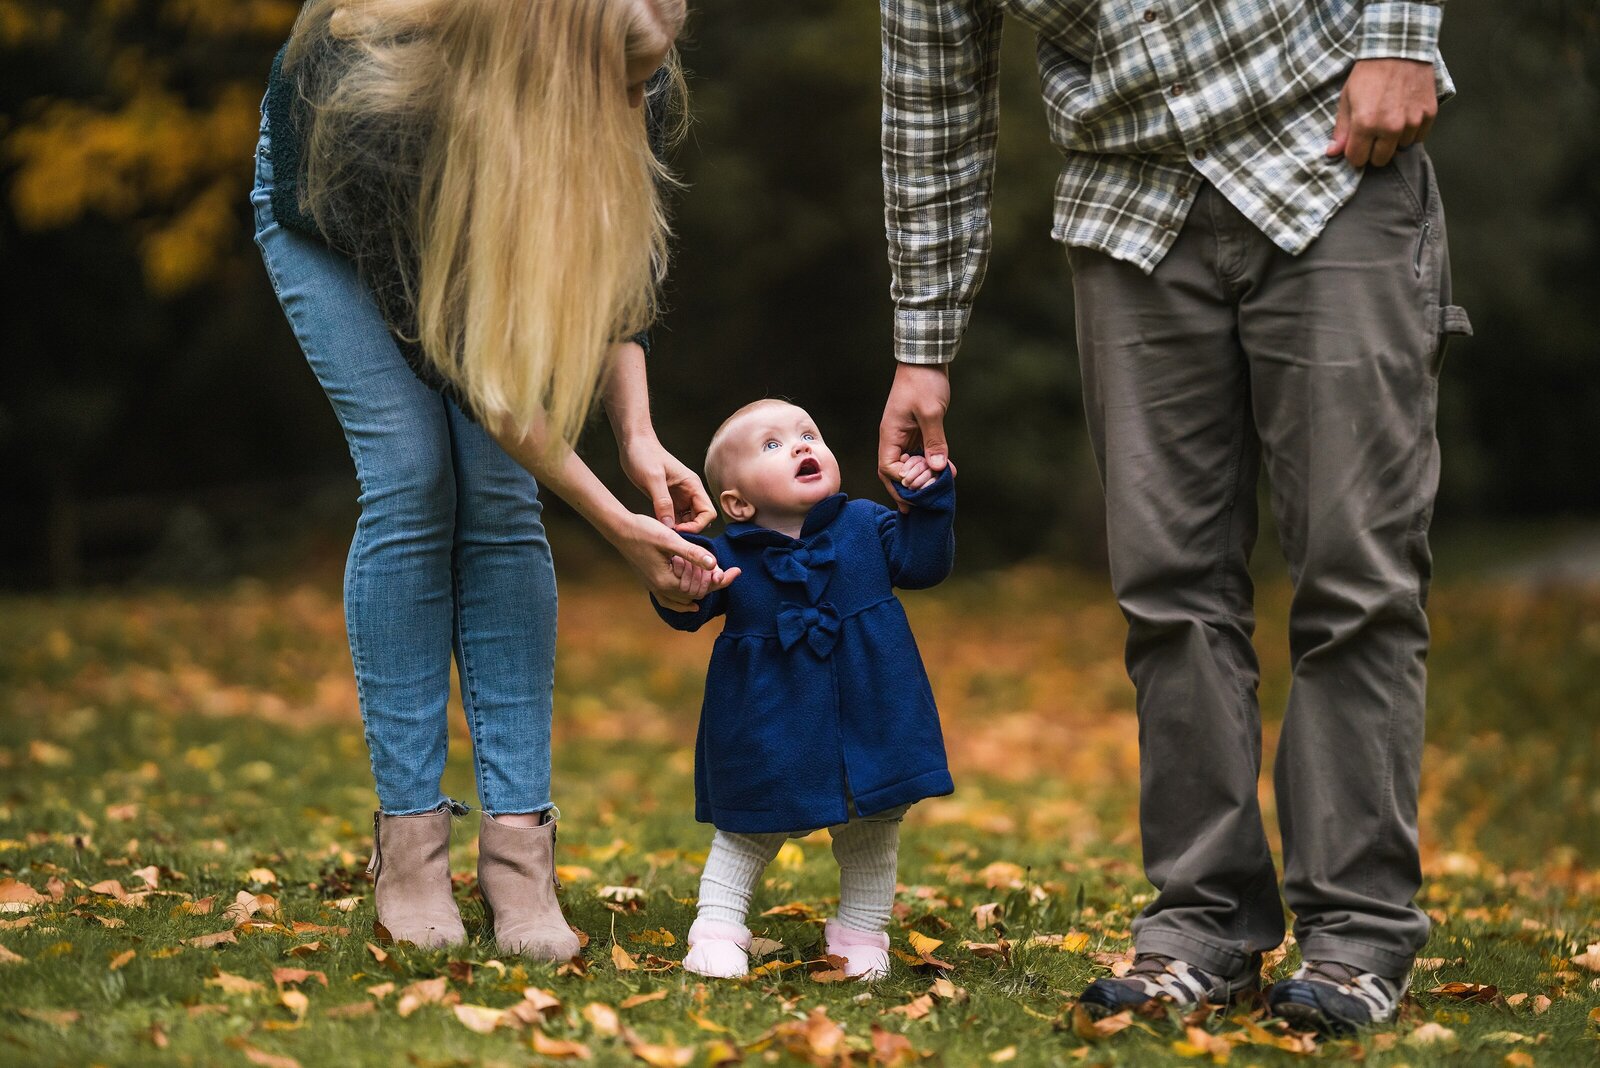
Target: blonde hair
column 488, row 148
column 715, row 461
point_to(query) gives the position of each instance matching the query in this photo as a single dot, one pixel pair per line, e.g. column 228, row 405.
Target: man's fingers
column 1341, row 128
column 1359, row 150
column 1424, row 128
column 1382, row 151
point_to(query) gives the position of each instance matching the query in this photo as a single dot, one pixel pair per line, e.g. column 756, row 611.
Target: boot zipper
column 554, row 878
column 372, row 865
column 1422, row 241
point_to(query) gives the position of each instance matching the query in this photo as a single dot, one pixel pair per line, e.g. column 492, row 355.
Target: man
column 1260, row 272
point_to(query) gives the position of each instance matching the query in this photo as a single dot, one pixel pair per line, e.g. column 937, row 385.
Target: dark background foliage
column 158, row 422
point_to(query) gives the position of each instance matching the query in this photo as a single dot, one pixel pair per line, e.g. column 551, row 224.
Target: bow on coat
column 818, row 625
column 809, row 566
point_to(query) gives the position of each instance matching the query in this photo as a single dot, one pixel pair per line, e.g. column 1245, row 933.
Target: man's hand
column 913, row 418
column 1386, row 104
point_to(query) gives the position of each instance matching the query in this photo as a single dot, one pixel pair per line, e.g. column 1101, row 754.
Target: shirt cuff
column 1400, row 29
column 928, row 336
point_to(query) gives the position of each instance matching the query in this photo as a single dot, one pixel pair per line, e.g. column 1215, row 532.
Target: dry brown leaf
column 1433, row 964
column 602, row 1018
column 987, row 915
column 62, row 1018
column 1480, row 993
column 208, row 941
column 1589, row 958
column 122, row 959
column 1001, row 1056
column 261, row 875
column 344, row 904
column 150, row 874
column 264, row 1059
column 705, row 1024
column 296, row 1002
column 915, row 1009
column 245, row 905
column 1432, row 1034
column 622, row 959
column 1002, row 873
column 559, row 1048
column 890, row 1049
column 8, row 957
column 17, row 924
column 945, row 990
column 659, row 1055
column 642, row 999
column 352, row 1009
column 764, row 947
column 381, row 991
column 158, row 1035
column 479, row 1018
column 18, row 897
column 234, row 984
column 305, row 949
column 300, row 927
column 658, row 937
column 1518, row 1059
column 287, row 976
column 201, row 907
column 422, row 992
column 797, row 909
column 1541, row 1004
column 109, row 888
column 1198, row 1042
column 543, row 1002
column 1087, row 1027
column 773, row 966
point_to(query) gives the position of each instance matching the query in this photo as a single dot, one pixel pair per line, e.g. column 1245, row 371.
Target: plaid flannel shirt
column 1146, row 100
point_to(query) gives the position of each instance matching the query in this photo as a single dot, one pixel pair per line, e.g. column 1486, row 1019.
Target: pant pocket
column 1453, row 322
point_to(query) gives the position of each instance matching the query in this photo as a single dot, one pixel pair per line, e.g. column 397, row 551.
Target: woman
column 457, row 204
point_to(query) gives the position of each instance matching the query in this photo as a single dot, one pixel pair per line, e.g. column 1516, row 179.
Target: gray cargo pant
column 1324, row 365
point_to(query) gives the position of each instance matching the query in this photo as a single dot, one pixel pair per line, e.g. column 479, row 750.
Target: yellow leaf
column 296, row 1002
column 621, row 959
column 261, row 875
column 705, row 1024
column 602, row 1018
column 573, row 873
column 915, row 1009
column 658, row 1055
column 1074, row 942
column 1001, row 1056
column 1087, row 1027
column 123, row 958
column 790, row 856
column 1518, row 1059
column 642, row 999
column 234, row 984
column 658, row 937
column 559, row 1048
column 922, row 944
column 479, row 1018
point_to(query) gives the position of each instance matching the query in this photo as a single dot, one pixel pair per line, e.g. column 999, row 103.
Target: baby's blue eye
column 809, row 437
column 771, row 445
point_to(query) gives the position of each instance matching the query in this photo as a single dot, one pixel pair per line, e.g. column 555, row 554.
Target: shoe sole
column 1303, row 1017
column 1097, row 1011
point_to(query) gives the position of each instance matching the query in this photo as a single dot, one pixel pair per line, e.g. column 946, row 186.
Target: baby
column 817, row 710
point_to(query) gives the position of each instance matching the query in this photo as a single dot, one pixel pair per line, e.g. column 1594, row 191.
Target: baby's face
column 777, row 460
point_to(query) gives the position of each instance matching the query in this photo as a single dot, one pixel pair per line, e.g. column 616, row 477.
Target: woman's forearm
column 562, row 471
column 627, row 395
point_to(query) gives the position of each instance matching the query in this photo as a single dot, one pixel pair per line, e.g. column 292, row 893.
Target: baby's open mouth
column 809, row 468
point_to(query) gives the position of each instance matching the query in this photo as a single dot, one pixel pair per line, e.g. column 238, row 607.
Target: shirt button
column 1177, row 90
column 1199, row 153
column 1150, row 15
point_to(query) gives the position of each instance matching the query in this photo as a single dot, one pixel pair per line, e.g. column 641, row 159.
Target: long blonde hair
column 488, row 148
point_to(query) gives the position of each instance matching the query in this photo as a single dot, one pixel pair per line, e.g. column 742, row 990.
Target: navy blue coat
column 816, row 692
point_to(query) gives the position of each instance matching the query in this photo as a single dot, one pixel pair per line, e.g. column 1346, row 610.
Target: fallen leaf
column 202, row 907
column 261, row 875
column 422, row 992
column 296, row 1002
column 245, row 905
column 381, row 991
column 921, row 943
column 1481, row 993
column 158, row 1035
column 705, row 1024
column 642, row 999
column 18, row 897
column 659, row 937
column 602, row 1018
column 764, row 947
column 305, row 949
column 1002, row 873
column 559, row 1048
column 544, row 1002
column 8, row 957
column 621, row 958
column 797, row 909
column 889, row 1048
column 263, row 1058
column 110, row 888
column 1432, row 1034
column 150, row 874
column 17, row 924
column 1087, row 1027
column 344, row 904
column 915, row 1009
column 988, row 915
column 286, row 976
column 62, row 1018
column 1541, row 1005
column 123, row 813
column 945, row 990
column 780, row 966
column 1589, row 958
column 221, row 938
column 1001, row 1056
column 573, row 873
column 234, row 984
column 1198, row 1042
column 479, row 1018
column 659, row 1055
column 122, row 958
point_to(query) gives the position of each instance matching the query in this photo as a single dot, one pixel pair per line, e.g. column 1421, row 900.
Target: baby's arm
column 701, row 594
column 920, row 543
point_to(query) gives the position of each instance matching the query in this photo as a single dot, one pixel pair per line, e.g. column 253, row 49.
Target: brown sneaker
column 410, row 869
column 517, row 875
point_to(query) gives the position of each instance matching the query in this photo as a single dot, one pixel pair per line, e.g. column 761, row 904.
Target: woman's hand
column 677, row 497
column 670, row 566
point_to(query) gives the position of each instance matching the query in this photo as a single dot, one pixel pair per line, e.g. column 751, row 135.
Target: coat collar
column 822, row 513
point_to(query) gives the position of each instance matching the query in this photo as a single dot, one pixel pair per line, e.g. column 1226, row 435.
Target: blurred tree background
column 157, row 420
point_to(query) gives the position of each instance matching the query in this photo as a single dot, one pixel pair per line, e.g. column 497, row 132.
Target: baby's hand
column 915, row 474
column 694, row 583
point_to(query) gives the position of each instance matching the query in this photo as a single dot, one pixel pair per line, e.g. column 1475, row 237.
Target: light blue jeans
column 449, row 551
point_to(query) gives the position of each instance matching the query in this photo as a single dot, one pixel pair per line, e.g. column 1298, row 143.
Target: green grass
column 213, row 735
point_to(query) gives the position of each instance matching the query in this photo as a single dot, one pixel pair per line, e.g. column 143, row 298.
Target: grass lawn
column 165, row 756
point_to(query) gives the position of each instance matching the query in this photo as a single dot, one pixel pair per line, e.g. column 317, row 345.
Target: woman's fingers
column 691, row 504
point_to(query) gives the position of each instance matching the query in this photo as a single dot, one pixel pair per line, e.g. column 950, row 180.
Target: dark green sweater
column 286, row 121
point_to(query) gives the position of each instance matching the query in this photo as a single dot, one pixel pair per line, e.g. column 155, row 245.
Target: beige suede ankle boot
column 517, row 875
column 410, row 870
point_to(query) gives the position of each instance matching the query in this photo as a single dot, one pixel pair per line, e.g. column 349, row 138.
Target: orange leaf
column 623, row 961
column 123, row 958
column 642, row 999
column 221, row 938
column 546, row 1046
column 602, row 1018
column 1087, row 1027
